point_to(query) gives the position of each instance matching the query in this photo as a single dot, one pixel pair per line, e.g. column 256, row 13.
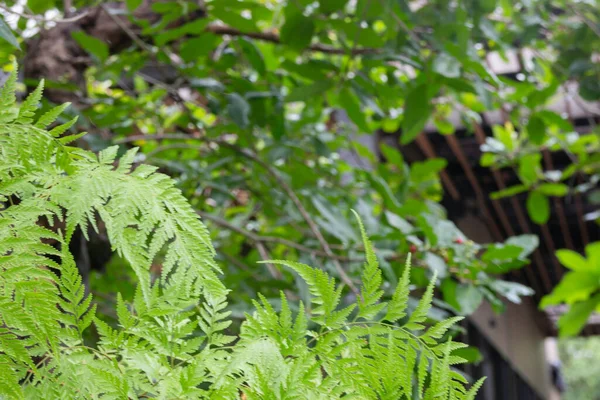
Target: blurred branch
column 39, row 18
column 219, row 29
column 591, row 24
column 271, row 239
column 274, row 38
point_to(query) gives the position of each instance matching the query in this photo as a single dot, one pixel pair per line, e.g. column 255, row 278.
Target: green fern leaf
column 9, row 384
column 8, row 98
column 436, row 332
column 50, row 116
column 29, row 106
column 419, row 315
column 322, row 287
column 474, row 389
column 397, row 306
column 369, row 306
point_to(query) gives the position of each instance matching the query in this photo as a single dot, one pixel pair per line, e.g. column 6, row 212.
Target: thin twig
column 42, row 19
column 591, row 24
column 271, row 239
column 264, row 254
column 132, row 35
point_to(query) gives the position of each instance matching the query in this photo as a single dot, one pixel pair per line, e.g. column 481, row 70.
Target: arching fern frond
column 172, row 340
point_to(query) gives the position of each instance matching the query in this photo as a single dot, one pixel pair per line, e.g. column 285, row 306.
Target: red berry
column 459, row 241
column 413, row 248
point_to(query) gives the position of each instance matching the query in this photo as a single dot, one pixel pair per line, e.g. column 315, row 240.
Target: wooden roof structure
column 466, row 182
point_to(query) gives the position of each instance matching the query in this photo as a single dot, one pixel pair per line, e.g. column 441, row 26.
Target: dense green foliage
column 171, row 341
column 247, row 123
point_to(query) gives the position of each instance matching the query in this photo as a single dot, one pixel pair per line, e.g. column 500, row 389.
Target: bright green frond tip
column 174, row 339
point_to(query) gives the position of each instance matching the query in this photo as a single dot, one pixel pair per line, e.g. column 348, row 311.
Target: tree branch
column 39, row 18
column 271, row 239
column 274, row 38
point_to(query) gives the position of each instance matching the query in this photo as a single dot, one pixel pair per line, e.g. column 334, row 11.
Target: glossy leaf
column 7, row 34
column 297, row 31
column 538, row 207
column 92, row 45
column 536, row 130
column 573, row 321
column 417, row 110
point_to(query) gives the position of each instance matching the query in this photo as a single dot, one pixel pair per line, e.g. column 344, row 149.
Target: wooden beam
column 585, row 238
column 480, row 137
column 479, row 194
column 425, row 145
column 562, row 220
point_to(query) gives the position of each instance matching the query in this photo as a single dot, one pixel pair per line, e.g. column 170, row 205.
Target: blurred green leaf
column 92, row 45
column 536, row 129
column 436, row 264
column 574, row 261
column 297, row 31
column 471, row 354
column 513, row 291
column 303, row 93
column 528, row 243
column 446, row 65
column 573, row 321
column 538, row 207
column 501, row 252
column 351, row 105
column 417, row 110
column 238, row 110
column 529, row 168
column 7, row 34
column 392, row 155
column 253, row 54
column 510, row 191
column 574, row 286
column 553, row 189
column 234, row 18
column 330, row 6
column 133, row 4
column 40, row 6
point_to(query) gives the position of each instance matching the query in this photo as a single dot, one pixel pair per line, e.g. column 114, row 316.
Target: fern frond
column 370, row 293
column 75, row 304
column 173, row 340
column 50, row 116
column 397, row 306
column 419, row 315
column 470, row 395
column 326, row 295
column 9, row 384
column 29, row 106
column 8, row 98
column 62, row 128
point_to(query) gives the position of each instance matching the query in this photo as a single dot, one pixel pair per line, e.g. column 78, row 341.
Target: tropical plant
column 172, row 340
